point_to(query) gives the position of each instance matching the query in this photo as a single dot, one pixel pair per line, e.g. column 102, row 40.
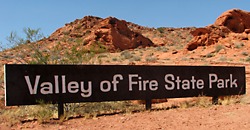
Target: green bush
column 244, row 53
column 126, row 54
column 161, row 29
column 209, row 55
column 219, row 47
column 238, row 45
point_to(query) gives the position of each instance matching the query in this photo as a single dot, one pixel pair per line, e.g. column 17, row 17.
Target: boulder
column 207, row 36
column 114, row 31
column 231, row 21
column 236, row 20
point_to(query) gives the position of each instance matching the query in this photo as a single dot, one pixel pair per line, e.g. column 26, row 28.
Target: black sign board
column 28, row 84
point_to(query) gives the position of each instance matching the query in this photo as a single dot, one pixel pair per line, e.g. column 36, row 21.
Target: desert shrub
column 161, row 29
column 31, row 35
column 89, row 110
column 219, row 47
column 42, row 113
column 200, row 101
column 126, row 54
column 209, row 55
column 184, row 59
column 77, row 55
column 244, row 99
column 78, row 26
column 87, row 32
column 98, row 47
column 114, row 59
column 227, row 100
column 131, row 55
column 79, row 41
column 45, row 112
column 179, row 46
column 162, row 48
column 14, row 40
column 66, row 32
column 151, row 59
column 136, row 58
column 203, row 101
column 248, row 59
column 244, row 53
column 238, row 45
column 185, row 104
column 223, row 58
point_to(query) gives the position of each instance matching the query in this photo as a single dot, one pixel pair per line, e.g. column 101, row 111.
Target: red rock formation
column 207, row 36
column 116, row 32
column 111, row 32
column 235, row 20
column 232, row 21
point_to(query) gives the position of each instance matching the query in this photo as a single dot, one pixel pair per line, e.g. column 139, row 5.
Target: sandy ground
column 228, row 117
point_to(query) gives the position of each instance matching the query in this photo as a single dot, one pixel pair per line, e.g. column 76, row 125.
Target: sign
column 28, row 84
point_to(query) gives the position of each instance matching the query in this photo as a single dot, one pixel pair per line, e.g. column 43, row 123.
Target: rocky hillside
column 228, row 37
column 110, row 32
column 97, row 35
column 114, row 34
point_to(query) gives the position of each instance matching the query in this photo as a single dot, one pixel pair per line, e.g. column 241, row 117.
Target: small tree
column 14, row 40
column 32, row 35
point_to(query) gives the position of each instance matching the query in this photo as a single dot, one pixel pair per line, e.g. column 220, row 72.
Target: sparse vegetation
column 244, row 53
column 31, row 35
column 114, row 59
column 223, row 58
column 66, row 32
column 151, row 59
column 229, row 100
column 45, row 112
column 209, row 55
column 200, row 101
column 161, row 29
column 136, row 58
column 218, row 48
column 203, row 101
column 239, row 45
column 162, row 48
column 126, row 54
column 248, row 59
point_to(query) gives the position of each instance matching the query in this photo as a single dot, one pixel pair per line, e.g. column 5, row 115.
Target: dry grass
column 203, row 101
column 14, row 115
column 44, row 113
column 200, row 101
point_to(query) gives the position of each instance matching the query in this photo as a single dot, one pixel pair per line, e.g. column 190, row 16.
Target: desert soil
column 230, row 117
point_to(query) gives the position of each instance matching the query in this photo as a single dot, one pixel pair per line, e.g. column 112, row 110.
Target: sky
column 49, row 15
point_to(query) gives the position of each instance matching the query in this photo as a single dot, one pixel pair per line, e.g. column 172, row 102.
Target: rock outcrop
column 116, row 32
column 207, row 36
column 235, row 20
column 110, row 32
column 232, row 21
